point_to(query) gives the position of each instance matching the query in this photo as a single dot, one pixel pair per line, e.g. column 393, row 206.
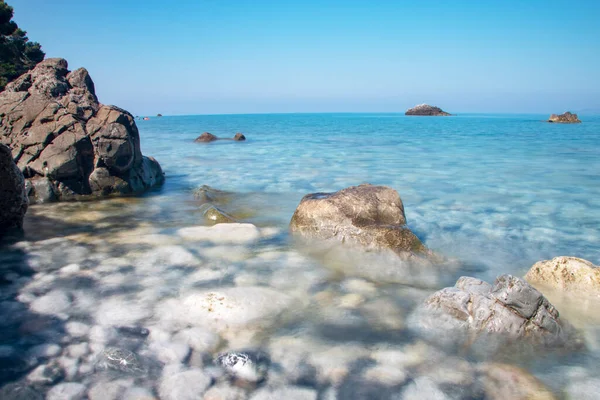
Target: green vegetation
column 17, row 53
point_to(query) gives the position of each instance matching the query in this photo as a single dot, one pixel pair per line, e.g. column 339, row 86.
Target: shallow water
column 497, row 193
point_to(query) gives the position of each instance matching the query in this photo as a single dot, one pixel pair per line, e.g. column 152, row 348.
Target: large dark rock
column 206, row 137
column 366, row 215
column 566, row 118
column 62, row 136
column 426, row 110
column 13, row 198
column 508, row 311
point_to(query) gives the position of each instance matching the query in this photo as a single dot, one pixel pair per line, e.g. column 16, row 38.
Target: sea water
column 495, row 192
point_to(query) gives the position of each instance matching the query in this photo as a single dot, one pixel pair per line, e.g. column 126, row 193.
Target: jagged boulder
column 566, row 273
column 426, row 110
column 509, row 311
column 366, row 215
column 68, row 144
column 13, row 198
column 566, row 118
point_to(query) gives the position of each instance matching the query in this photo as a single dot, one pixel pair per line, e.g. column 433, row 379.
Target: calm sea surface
column 495, row 192
column 502, row 191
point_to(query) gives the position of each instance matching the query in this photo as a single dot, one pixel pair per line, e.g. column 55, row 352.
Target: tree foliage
column 17, row 53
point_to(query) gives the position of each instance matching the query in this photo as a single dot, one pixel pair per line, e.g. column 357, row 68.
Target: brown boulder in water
column 366, row 215
column 206, row 137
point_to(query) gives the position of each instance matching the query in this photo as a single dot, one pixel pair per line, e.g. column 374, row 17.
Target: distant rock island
column 426, row 110
column 566, row 118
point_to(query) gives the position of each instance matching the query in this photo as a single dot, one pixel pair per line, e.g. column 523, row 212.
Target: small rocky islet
column 83, row 320
column 427, row 110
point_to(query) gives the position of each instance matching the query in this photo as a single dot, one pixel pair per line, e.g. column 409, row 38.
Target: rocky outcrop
column 508, row 311
column 426, row 110
column 208, row 137
column 65, row 142
column 566, row 273
column 566, row 118
column 366, row 215
column 13, row 198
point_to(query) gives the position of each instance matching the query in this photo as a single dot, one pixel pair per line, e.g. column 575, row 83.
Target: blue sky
column 234, row 56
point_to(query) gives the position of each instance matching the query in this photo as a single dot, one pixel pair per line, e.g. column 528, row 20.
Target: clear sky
column 246, row 56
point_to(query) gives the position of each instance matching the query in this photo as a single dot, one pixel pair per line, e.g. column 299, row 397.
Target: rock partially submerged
column 366, row 215
column 506, row 312
column 65, row 142
column 566, row 273
column 13, row 198
column 208, row 137
column 566, row 118
column 426, row 110
column 245, row 367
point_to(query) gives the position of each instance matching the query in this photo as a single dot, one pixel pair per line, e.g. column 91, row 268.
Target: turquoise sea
column 498, row 191
column 145, row 278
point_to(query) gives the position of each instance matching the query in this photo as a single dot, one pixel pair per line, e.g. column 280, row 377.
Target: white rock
column 78, row 350
column 70, row 269
column 112, row 390
column 55, row 302
column 227, row 309
column 45, row 350
column 386, row 375
column 423, row 388
column 46, row 374
column 70, row 366
column 588, row 389
column 118, row 311
column 168, row 256
column 199, row 339
column 138, row 393
column 66, row 391
column 187, row 385
column 287, row 393
column 222, row 233
column 77, row 329
column 170, row 352
column 225, row 392
column 102, row 334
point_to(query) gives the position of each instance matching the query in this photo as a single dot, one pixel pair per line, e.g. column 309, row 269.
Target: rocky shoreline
column 99, row 315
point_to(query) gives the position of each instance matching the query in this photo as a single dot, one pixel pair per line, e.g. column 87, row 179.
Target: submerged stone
column 113, row 358
column 246, row 366
column 566, row 273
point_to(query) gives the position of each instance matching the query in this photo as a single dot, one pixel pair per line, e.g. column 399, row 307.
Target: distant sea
column 497, row 191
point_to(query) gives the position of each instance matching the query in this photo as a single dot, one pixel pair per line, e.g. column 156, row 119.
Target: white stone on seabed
column 45, row 350
column 186, row 385
column 287, row 393
column 224, row 391
column 70, row 269
column 423, row 388
column 117, row 311
column 170, row 352
column 69, row 365
column 227, row 309
column 166, row 256
column 199, row 339
column 78, row 350
column 55, row 302
column 66, row 391
column 222, row 233
column 138, row 393
column 102, row 334
column 77, row 329
column 112, row 390
column 585, row 389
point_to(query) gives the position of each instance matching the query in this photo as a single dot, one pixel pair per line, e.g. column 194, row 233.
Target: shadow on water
column 29, row 339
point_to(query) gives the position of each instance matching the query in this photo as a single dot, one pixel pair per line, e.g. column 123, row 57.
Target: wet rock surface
column 13, row 197
column 68, row 144
column 570, row 274
column 506, row 312
column 366, row 215
column 426, row 110
column 566, row 118
column 245, row 367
